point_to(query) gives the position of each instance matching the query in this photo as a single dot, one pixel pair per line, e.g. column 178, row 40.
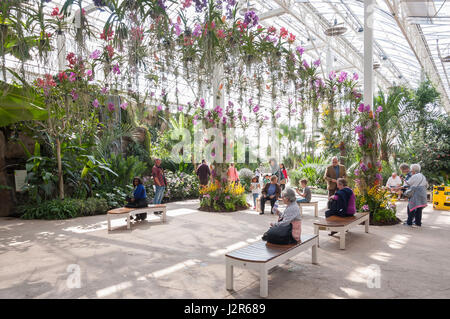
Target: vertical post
column 330, row 59
column 369, row 6
column 61, row 46
column 263, row 281
column 342, row 239
column 316, row 232
column 229, row 274
column 314, row 251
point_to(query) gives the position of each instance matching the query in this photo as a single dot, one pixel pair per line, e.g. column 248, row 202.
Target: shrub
column 114, row 196
column 295, row 177
column 179, row 186
column 63, row 209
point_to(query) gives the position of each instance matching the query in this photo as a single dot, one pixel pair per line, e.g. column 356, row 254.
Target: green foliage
column 432, row 150
column 115, row 195
column 386, row 171
column 20, row 103
column 63, row 209
column 181, row 167
column 125, row 169
column 312, row 169
column 41, row 181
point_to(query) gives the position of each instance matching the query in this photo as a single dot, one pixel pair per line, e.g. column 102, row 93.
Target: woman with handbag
column 287, row 229
column 417, row 196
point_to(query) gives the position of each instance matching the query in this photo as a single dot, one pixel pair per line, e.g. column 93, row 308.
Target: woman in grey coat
column 418, row 186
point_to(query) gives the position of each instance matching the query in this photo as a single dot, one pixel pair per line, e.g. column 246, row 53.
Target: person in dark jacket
column 342, row 203
column 271, row 191
column 139, row 199
column 203, row 173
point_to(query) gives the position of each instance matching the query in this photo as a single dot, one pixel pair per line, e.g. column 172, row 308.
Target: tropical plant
column 20, row 103
column 313, row 169
column 389, row 118
column 122, row 170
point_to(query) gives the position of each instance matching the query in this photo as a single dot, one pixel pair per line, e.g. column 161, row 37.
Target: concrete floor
column 184, row 258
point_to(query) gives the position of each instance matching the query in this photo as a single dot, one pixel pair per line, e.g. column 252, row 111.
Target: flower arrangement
column 379, row 202
column 228, row 198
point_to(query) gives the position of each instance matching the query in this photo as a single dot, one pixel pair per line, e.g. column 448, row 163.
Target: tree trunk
column 60, row 173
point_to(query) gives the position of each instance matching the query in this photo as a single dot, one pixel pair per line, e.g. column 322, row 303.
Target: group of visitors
column 341, row 198
column 412, row 185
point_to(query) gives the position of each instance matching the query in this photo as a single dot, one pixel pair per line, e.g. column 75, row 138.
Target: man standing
column 332, row 173
column 203, row 173
column 160, row 181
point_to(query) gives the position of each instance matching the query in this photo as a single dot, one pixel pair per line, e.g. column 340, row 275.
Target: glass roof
column 308, row 19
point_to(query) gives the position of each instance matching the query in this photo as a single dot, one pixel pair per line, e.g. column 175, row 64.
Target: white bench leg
column 129, row 221
column 109, row 222
column 163, row 216
column 229, row 275
column 316, row 209
column 263, row 281
column 367, row 225
column 342, row 239
column 301, row 211
column 314, row 251
column 316, row 232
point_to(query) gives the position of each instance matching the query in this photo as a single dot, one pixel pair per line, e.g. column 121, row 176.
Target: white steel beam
column 369, row 8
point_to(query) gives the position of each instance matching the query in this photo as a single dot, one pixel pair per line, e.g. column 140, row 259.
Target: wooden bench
column 341, row 225
column 262, row 257
column 315, row 204
column 133, row 211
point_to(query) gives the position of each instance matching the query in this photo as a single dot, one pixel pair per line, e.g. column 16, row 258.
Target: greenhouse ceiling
column 411, row 37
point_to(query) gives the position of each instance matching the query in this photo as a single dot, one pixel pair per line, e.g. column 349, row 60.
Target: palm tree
column 389, row 118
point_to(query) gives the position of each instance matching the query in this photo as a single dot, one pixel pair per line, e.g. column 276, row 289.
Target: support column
column 61, row 47
column 330, row 58
column 369, row 8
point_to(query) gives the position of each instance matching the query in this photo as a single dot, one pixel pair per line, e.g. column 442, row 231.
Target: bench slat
column 124, row 210
column 339, row 221
column 260, row 252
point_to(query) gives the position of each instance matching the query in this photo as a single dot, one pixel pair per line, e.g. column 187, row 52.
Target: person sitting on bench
column 343, row 203
column 139, row 199
column 272, row 192
column 282, row 232
column 306, row 192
